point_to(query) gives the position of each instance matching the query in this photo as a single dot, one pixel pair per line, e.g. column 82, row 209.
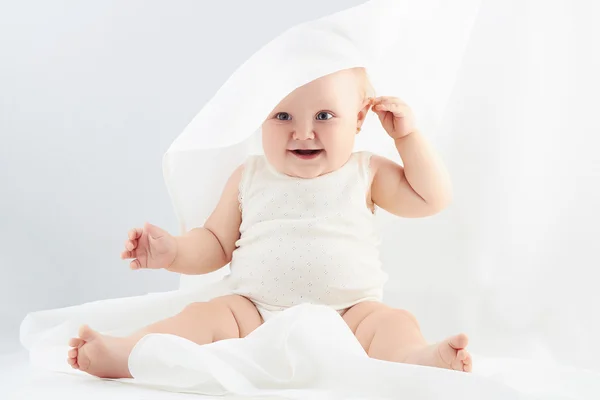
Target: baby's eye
column 286, row 116
column 323, row 115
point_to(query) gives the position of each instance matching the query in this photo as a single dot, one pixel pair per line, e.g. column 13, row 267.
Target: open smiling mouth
column 306, row 154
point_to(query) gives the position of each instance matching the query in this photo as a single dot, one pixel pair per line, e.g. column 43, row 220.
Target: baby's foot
column 449, row 354
column 100, row 355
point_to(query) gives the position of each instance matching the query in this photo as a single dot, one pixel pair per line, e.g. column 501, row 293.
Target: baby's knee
column 196, row 308
column 396, row 315
column 229, row 316
column 207, row 311
column 218, row 303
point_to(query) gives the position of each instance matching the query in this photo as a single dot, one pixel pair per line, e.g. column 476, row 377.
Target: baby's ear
column 364, row 110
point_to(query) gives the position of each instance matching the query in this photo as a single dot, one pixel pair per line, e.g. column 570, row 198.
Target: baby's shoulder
column 368, row 161
column 373, row 161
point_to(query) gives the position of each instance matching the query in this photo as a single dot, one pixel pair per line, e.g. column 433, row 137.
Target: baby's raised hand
column 395, row 116
column 151, row 247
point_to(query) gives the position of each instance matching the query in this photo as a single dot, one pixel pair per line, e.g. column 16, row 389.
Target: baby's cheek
column 341, row 140
column 273, row 142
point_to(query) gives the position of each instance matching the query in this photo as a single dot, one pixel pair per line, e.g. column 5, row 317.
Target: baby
column 297, row 226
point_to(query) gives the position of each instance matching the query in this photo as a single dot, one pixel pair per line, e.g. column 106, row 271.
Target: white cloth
column 519, row 215
column 307, row 240
column 304, row 352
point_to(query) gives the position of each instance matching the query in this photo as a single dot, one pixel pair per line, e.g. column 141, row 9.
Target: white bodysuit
column 306, row 240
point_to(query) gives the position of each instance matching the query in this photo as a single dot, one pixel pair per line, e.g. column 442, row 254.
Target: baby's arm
column 207, row 249
column 419, row 189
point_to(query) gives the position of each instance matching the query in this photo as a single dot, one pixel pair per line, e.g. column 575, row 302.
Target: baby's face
column 311, row 132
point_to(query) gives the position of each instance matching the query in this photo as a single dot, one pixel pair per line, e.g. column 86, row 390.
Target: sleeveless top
column 307, row 240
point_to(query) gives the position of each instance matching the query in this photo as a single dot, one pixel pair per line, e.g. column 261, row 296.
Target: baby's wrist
column 171, row 266
column 397, row 138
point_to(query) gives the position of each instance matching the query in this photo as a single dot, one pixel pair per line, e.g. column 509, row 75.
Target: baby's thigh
column 243, row 311
column 225, row 317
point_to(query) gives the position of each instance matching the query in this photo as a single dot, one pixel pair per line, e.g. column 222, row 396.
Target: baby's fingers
column 134, row 233
column 135, row 264
column 131, row 244
column 128, row 254
column 394, row 108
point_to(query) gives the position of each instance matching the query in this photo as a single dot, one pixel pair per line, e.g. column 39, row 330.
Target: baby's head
column 311, row 131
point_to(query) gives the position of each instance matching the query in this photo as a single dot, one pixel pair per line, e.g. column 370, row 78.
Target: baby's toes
column 83, row 360
column 458, row 362
column 459, row 341
column 468, row 363
column 76, row 342
column 72, row 358
column 73, row 353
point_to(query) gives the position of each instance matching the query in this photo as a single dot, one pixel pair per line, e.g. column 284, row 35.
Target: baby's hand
column 395, row 116
column 151, row 247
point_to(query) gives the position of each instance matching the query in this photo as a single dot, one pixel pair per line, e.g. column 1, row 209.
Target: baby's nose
column 303, row 134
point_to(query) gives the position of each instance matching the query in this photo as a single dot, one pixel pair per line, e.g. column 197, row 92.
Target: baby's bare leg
column 222, row 318
column 394, row 335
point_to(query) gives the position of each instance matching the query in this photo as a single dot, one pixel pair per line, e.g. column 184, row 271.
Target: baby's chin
column 310, row 170
column 306, row 167
column 306, row 172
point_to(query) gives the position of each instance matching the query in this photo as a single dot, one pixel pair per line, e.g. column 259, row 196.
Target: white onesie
column 306, row 240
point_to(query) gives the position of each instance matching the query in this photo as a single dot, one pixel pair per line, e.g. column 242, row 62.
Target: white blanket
column 305, row 352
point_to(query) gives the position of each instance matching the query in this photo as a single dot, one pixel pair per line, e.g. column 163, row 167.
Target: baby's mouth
column 306, row 154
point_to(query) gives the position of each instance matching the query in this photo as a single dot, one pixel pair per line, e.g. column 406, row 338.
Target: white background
column 93, row 93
